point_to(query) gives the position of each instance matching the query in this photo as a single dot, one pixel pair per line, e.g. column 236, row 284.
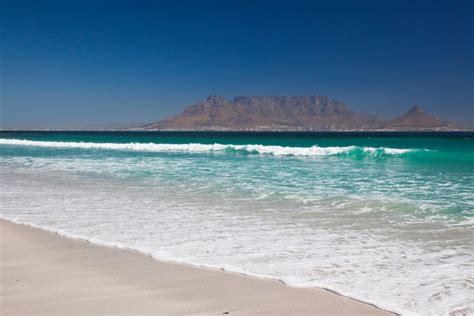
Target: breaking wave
column 229, row 148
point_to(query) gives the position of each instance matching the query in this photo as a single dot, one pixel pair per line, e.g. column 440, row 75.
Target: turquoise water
column 386, row 218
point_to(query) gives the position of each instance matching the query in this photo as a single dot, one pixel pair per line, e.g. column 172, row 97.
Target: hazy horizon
column 83, row 64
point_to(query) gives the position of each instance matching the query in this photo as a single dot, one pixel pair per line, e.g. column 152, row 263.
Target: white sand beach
column 46, row 274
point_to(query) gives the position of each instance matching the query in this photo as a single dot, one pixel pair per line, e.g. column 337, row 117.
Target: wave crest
column 203, row 148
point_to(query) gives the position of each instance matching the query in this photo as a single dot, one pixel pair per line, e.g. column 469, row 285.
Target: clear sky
column 73, row 64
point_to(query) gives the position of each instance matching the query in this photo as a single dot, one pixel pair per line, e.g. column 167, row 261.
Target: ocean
column 387, row 218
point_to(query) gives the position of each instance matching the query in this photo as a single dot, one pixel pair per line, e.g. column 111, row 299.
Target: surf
column 209, row 148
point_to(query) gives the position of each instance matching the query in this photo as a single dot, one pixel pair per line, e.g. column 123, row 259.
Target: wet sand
column 46, row 274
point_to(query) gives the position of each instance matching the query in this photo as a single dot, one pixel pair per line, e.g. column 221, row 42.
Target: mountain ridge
column 291, row 113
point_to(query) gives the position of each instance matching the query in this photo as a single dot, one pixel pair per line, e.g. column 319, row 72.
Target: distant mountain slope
column 268, row 113
column 290, row 113
column 417, row 119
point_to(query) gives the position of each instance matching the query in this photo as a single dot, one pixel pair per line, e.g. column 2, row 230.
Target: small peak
column 415, row 109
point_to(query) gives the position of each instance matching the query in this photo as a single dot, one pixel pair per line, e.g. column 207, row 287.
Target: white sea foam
column 202, row 148
column 378, row 231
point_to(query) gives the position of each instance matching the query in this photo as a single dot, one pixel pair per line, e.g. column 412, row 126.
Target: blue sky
column 73, row 64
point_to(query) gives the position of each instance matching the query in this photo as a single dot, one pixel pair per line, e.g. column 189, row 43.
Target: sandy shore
column 44, row 273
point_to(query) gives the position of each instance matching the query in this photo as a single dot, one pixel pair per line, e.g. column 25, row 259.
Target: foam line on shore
column 228, row 269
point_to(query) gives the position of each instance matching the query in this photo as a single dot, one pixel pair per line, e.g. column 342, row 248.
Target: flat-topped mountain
column 289, row 113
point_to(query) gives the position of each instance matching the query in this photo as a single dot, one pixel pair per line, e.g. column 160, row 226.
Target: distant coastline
column 305, row 114
column 460, row 133
column 290, row 114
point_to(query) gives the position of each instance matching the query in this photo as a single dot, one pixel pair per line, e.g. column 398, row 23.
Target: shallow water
column 385, row 218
